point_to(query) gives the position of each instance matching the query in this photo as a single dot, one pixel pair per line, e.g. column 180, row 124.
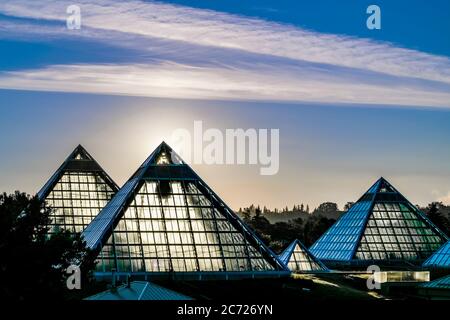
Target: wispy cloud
column 181, row 81
column 192, row 53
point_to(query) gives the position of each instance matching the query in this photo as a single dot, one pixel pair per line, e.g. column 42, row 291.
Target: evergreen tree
column 246, row 215
column 437, row 217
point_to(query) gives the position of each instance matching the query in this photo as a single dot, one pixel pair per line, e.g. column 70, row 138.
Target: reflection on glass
column 301, row 261
column 76, row 199
column 181, row 231
column 412, row 239
column 382, row 225
column 440, row 258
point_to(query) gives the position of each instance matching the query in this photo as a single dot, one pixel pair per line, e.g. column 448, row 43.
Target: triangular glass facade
column 166, row 219
column 382, row 225
column 440, row 259
column 298, row 259
column 441, row 283
column 77, row 192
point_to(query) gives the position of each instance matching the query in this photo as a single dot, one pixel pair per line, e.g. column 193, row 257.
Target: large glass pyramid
column 440, row 259
column 381, row 225
column 166, row 219
column 298, row 259
column 77, row 192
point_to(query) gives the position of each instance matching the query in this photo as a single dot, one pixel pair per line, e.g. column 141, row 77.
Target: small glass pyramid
column 440, row 259
column 298, row 259
column 381, row 226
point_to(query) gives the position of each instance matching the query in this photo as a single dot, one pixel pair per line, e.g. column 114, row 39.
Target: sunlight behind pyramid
column 77, row 192
column 298, row 259
column 382, row 225
column 440, row 259
column 166, row 219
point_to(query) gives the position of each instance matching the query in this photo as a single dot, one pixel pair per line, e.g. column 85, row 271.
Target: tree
column 348, row 205
column 327, row 207
column 315, row 227
column 246, row 215
column 434, row 214
column 258, row 213
column 33, row 265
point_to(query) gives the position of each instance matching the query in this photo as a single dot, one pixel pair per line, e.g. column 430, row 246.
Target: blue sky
column 413, row 24
column 351, row 104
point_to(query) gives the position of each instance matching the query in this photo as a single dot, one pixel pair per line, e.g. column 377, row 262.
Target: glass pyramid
column 166, row 219
column 441, row 283
column 77, row 192
column 440, row 259
column 381, row 225
column 298, row 259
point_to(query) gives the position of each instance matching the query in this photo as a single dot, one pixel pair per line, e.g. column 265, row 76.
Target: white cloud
column 182, row 81
column 197, row 53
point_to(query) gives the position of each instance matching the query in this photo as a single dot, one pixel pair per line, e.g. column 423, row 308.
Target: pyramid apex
column 80, row 153
column 80, row 146
column 380, row 179
column 164, row 144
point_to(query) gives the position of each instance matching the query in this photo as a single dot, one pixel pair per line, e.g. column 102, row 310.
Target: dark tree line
column 439, row 214
column 278, row 235
column 32, row 264
column 309, row 228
